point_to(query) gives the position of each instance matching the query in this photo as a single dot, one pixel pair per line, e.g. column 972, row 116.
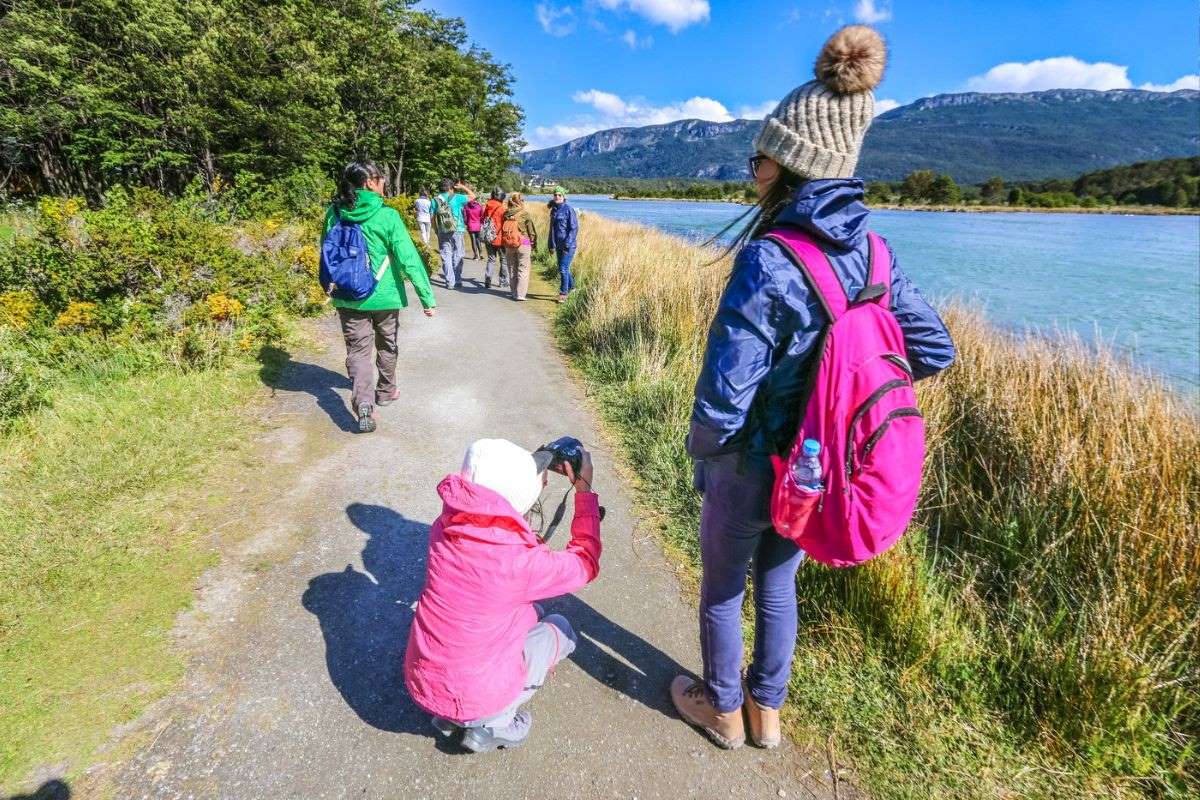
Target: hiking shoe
column 366, row 418
column 390, row 397
column 443, row 726
column 562, row 298
column 725, row 729
column 487, row 283
column 763, row 721
column 485, row 740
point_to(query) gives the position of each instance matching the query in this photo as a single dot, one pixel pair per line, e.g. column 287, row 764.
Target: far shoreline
column 1121, row 211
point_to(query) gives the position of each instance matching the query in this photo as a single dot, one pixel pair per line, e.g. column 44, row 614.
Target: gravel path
column 294, row 687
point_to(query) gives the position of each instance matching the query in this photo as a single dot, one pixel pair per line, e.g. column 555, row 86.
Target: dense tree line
column 1173, row 182
column 99, row 93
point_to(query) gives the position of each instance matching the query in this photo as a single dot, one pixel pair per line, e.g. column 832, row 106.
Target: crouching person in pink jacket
column 479, row 646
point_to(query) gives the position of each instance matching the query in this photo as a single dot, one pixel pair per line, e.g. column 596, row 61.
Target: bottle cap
column 812, row 447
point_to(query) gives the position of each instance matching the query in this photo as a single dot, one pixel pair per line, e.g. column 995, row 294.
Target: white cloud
column 674, row 14
column 609, row 110
column 1184, row 82
column 1062, row 72
column 866, row 11
column 636, row 42
column 884, row 105
column 554, row 20
column 756, row 112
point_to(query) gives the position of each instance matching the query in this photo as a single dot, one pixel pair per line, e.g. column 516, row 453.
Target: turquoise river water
column 1129, row 282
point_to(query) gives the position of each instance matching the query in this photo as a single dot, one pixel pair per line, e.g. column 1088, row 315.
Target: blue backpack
column 345, row 264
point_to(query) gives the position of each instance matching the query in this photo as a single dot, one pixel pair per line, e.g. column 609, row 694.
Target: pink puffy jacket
column 466, row 651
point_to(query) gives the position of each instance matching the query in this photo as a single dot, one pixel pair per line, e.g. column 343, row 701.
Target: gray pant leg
column 358, row 331
column 387, row 325
column 446, row 253
column 459, row 255
column 546, row 644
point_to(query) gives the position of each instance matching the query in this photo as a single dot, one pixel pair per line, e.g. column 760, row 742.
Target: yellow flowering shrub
column 223, row 307
column 78, row 314
column 59, row 209
column 17, row 309
column 309, row 257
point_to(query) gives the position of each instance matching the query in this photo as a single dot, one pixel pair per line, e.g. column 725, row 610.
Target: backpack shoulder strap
column 879, row 282
column 812, row 262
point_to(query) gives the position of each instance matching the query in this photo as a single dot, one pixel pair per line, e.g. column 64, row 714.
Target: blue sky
column 586, row 65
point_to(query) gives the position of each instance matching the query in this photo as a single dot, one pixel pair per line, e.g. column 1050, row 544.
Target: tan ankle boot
column 726, row 729
column 764, row 721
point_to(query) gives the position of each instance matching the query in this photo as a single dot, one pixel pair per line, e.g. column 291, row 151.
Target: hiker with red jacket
column 480, row 646
column 493, row 222
column 769, row 332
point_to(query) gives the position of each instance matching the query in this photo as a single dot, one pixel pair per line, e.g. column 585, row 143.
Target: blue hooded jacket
column 564, row 227
column 768, row 321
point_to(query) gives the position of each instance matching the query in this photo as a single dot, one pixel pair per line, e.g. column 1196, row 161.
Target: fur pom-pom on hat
column 852, row 60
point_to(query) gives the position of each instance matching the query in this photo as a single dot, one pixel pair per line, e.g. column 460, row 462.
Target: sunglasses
column 755, row 162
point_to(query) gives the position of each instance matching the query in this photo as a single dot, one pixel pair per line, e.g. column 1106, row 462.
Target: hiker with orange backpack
column 519, row 237
column 805, row 433
column 493, row 223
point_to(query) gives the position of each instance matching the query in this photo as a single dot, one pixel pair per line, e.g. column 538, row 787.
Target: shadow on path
column 50, row 790
column 280, row 372
column 365, row 618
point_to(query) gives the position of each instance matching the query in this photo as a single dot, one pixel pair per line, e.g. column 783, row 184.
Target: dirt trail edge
column 294, row 688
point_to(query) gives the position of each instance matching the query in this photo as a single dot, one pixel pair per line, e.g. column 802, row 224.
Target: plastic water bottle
column 807, row 471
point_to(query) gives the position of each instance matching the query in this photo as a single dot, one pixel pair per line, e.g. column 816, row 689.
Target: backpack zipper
column 876, row 396
column 878, row 433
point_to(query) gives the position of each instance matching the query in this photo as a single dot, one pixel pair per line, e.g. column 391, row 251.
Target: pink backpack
column 863, row 411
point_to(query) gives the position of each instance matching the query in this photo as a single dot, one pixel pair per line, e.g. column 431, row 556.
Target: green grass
column 106, row 497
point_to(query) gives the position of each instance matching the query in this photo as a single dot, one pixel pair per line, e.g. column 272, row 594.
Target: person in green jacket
column 373, row 322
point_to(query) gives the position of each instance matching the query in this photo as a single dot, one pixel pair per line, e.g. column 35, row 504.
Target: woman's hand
column 582, row 481
column 431, row 312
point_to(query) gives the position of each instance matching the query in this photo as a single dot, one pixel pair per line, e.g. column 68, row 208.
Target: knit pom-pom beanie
column 818, row 129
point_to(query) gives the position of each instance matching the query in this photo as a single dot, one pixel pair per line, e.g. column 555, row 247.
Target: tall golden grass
column 1038, row 631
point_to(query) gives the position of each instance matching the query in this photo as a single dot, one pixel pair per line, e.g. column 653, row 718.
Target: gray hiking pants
column 364, row 331
column 546, row 644
column 450, row 248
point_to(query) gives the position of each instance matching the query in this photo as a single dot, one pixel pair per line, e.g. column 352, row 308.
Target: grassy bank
column 1036, row 634
column 110, row 497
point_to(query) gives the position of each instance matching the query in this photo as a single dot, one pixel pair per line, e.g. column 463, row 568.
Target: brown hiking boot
column 764, row 721
column 691, row 701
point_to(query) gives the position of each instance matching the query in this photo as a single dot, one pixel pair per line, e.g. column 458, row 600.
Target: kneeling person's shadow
column 365, row 617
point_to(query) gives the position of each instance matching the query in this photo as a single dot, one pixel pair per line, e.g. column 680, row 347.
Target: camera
column 567, row 450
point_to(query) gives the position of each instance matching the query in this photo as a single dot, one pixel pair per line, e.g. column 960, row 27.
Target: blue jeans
column 566, row 281
column 450, row 248
column 736, row 535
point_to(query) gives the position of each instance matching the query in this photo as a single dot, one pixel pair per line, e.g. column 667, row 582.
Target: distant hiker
column 447, row 209
column 479, row 646
column 564, row 231
column 519, row 237
column 424, row 217
column 493, row 223
column 751, row 394
column 357, row 214
column 473, row 213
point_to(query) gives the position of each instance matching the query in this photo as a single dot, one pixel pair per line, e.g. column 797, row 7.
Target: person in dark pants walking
column 372, row 323
column 564, row 232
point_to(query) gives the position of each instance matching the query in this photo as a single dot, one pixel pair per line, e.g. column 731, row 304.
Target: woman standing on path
column 564, row 231
column 751, row 388
column 520, row 239
column 374, row 320
column 473, row 213
column 493, row 213
column 424, row 205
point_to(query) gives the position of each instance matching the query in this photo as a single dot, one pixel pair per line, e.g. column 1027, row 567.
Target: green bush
column 22, row 378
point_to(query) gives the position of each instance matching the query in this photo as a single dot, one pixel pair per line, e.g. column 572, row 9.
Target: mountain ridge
column 969, row 135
